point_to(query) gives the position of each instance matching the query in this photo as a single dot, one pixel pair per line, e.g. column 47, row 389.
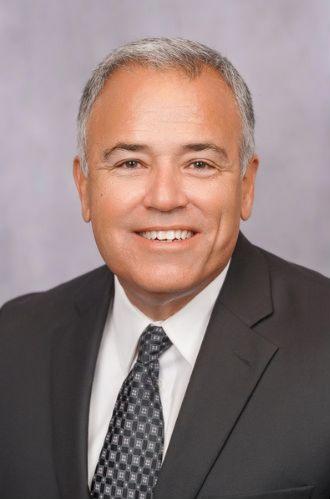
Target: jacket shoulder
column 287, row 269
column 298, row 284
column 52, row 301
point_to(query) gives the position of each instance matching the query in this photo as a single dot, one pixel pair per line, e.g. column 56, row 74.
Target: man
column 193, row 364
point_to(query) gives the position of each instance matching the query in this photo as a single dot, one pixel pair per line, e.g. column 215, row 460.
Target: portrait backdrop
column 48, row 49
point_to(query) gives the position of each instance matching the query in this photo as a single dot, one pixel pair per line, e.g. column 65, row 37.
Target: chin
column 162, row 281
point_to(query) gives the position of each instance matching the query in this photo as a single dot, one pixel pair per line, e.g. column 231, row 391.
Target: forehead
column 143, row 100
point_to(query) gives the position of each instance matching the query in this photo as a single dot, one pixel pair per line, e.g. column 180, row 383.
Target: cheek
column 222, row 203
column 105, row 201
column 228, row 224
column 226, row 220
column 104, row 217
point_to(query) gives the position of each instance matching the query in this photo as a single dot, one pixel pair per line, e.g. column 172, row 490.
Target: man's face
column 163, row 154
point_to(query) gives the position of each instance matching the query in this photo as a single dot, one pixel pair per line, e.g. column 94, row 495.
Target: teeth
column 168, row 235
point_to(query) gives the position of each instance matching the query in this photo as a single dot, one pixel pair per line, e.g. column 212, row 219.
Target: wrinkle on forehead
column 171, row 114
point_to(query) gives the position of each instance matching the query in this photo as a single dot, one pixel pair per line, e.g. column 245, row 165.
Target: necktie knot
column 153, row 342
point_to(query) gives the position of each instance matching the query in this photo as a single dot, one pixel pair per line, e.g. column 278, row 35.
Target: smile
column 168, row 235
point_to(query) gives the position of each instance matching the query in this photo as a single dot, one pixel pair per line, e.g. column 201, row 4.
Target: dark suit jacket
column 255, row 421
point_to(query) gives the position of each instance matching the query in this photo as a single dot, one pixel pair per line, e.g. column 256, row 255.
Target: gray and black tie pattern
column 132, row 452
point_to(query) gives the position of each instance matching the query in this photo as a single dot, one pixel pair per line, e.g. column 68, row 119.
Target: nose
column 165, row 190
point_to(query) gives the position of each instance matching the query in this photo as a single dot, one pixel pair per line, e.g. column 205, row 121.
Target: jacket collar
column 76, row 341
column 247, row 288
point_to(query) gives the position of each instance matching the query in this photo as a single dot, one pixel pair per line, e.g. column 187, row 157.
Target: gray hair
column 168, row 53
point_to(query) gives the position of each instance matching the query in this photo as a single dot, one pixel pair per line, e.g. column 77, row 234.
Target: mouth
column 170, row 237
column 167, row 236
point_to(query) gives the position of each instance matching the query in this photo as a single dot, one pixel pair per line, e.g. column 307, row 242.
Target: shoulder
column 296, row 285
column 52, row 302
column 291, row 272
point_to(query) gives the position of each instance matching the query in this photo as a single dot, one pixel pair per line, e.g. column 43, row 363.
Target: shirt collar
column 185, row 328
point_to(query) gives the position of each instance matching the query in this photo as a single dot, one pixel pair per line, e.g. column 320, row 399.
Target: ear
column 81, row 181
column 248, row 183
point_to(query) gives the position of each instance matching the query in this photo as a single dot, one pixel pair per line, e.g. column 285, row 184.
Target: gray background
column 48, row 49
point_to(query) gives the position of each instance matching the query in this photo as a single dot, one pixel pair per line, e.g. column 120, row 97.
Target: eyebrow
column 122, row 146
column 196, row 147
column 204, row 146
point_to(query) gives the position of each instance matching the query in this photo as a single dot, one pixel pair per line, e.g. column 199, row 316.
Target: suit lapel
column 75, row 346
column 232, row 359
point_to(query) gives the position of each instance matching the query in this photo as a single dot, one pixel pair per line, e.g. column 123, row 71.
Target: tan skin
column 184, row 172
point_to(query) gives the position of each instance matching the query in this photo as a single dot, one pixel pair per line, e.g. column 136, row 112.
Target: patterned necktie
column 132, row 452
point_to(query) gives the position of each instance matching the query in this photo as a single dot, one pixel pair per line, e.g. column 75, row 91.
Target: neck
column 160, row 306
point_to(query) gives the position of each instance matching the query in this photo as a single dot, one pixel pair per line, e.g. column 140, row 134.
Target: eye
column 129, row 164
column 201, row 165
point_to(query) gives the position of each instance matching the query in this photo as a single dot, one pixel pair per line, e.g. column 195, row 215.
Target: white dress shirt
column 118, row 350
